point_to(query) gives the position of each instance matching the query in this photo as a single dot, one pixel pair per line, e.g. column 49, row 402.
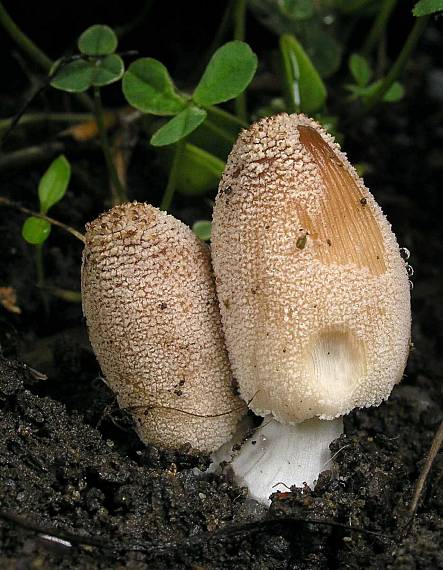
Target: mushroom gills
column 279, row 456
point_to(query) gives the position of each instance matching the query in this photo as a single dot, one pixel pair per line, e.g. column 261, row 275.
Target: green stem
column 173, row 175
column 226, row 116
column 118, row 192
column 225, row 135
column 31, row 118
column 400, row 63
column 40, row 270
column 379, row 26
column 239, row 34
column 136, row 21
column 218, row 38
column 23, row 41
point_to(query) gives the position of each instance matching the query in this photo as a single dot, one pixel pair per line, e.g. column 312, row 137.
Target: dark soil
column 72, row 467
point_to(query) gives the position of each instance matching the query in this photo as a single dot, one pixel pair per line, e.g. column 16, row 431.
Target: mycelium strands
column 154, row 323
column 313, row 292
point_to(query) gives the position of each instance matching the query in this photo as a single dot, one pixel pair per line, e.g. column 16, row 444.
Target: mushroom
column 314, row 296
column 154, row 324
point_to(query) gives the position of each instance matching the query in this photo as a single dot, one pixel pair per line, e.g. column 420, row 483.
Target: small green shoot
column 427, row 7
column 148, row 87
column 360, row 69
column 362, row 73
column 96, row 66
column 51, row 189
column 303, row 87
column 202, row 229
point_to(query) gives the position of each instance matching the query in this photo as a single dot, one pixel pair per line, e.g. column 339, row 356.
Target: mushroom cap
column 154, row 324
column 313, row 291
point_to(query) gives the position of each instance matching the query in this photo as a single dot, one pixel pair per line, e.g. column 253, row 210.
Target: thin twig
column 31, row 118
column 12, row 204
column 30, row 154
column 124, row 544
column 419, row 486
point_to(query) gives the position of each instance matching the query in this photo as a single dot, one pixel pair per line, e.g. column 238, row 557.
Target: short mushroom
column 154, row 324
column 314, row 296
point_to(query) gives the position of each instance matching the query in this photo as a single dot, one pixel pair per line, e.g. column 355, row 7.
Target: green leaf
column 148, row 87
column 360, row 69
column 74, row 77
column 394, row 93
column 108, row 70
column 53, row 183
column 426, row 7
column 198, row 172
column 179, row 127
column 97, row 40
column 315, row 35
column 36, row 230
column 297, row 9
column 227, row 74
column 304, row 88
column 202, row 229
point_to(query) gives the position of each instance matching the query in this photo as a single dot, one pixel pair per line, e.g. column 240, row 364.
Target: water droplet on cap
column 405, row 253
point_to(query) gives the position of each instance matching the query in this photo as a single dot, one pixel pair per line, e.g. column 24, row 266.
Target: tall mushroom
column 154, row 324
column 313, row 292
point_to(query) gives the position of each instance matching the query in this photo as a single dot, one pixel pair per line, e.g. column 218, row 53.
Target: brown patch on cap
column 356, row 235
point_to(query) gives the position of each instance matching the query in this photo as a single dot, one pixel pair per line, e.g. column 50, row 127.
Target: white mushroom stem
column 279, row 456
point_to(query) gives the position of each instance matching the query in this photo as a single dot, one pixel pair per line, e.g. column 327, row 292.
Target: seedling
column 51, row 189
column 363, row 89
column 148, row 87
column 97, row 65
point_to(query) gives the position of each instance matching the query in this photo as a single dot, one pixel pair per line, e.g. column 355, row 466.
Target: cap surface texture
column 313, row 291
column 154, row 324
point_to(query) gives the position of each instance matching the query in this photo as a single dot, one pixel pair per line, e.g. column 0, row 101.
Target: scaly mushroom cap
column 313, row 291
column 154, row 324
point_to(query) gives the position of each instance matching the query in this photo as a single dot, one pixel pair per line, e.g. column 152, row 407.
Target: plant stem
column 30, row 155
column 31, row 118
column 34, row 52
column 226, row 116
column 222, row 133
column 239, row 34
column 40, row 270
column 379, row 26
column 217, row 39
column 136, row 20
column 39, row 265
column 172, row 181
column 23, row 41
column 28, row 212
column 400, row 63
column 118, row 192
